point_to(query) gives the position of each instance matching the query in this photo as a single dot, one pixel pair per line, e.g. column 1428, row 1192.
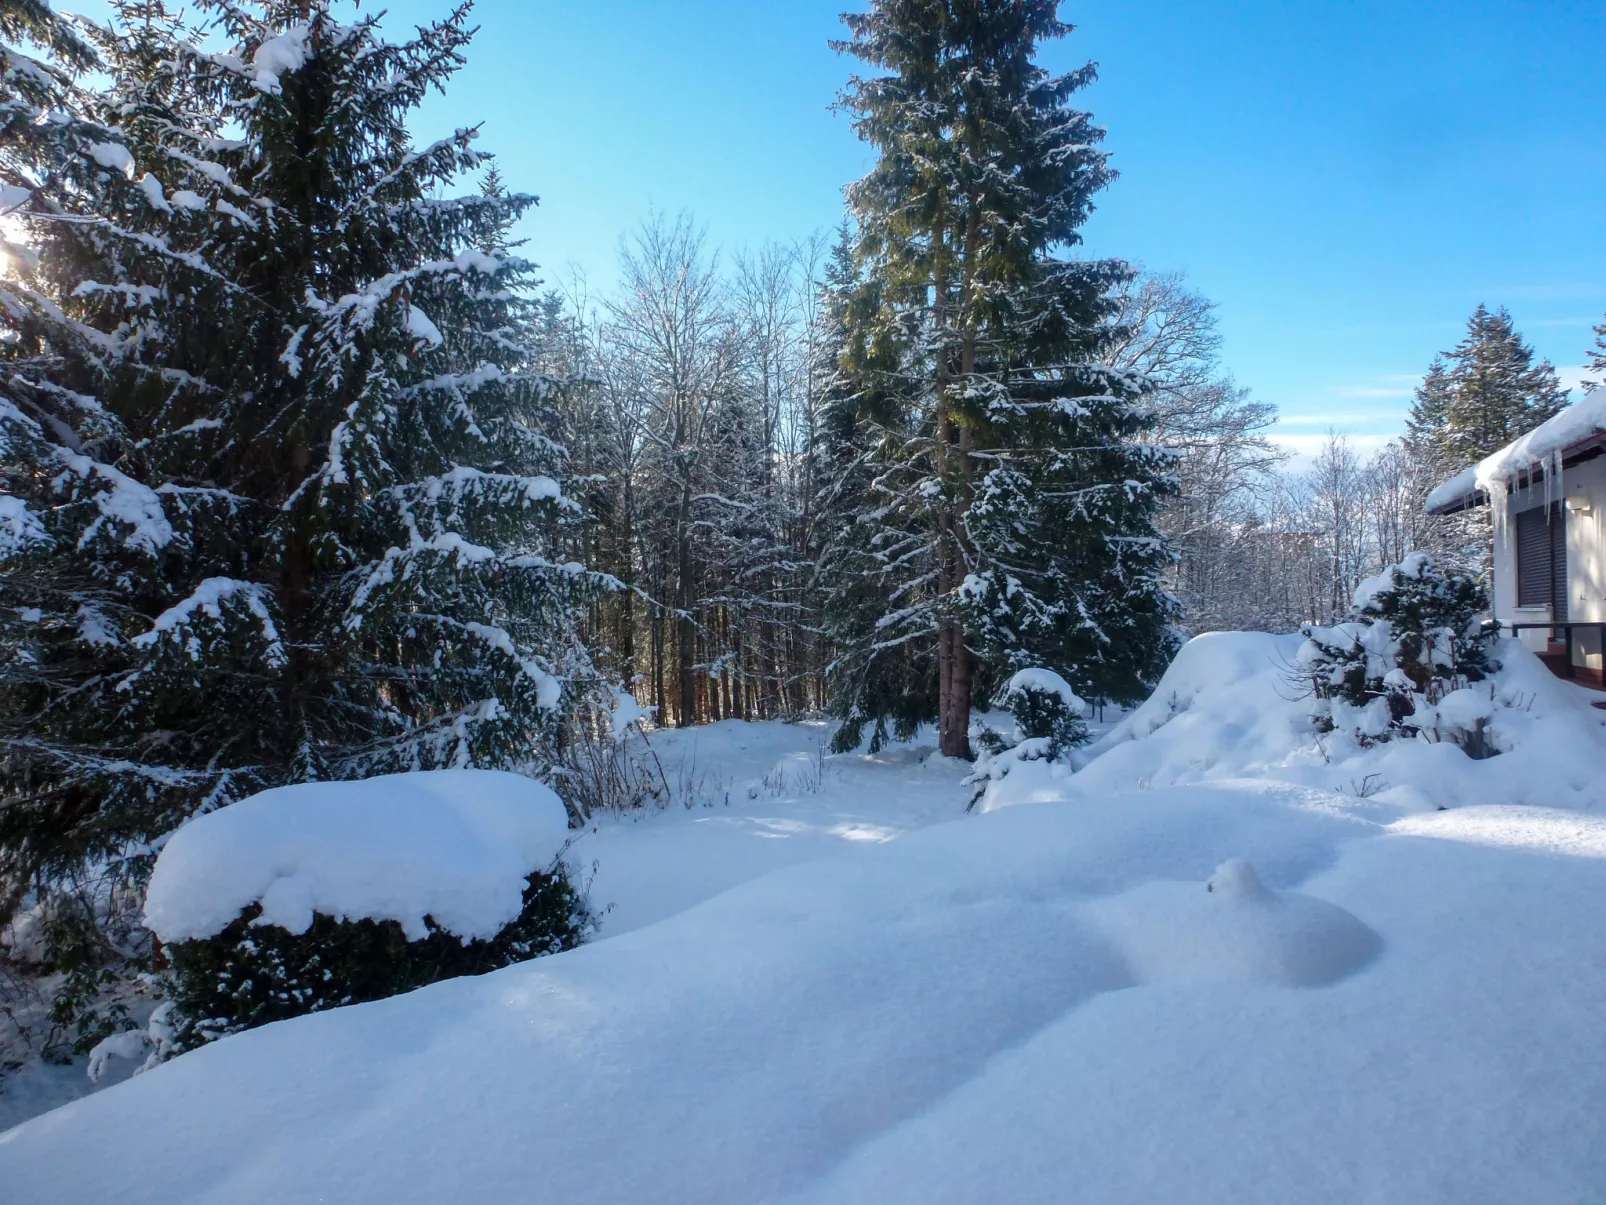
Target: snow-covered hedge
column 312, row 896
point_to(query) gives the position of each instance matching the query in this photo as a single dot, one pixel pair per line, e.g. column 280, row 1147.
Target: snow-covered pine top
column 1410, row 568
column 1046, row 682
column 453, row 845
column 1545, row 442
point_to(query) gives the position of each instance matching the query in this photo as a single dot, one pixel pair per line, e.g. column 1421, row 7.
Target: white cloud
column 1311, row 445
column 1339, row 418
column 1371, row 391
column 1573, row 378
column 1304, row 449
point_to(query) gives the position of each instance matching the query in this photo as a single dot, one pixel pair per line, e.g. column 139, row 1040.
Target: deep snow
column 452, row 845
column 1254, row 985
column 1229, row 710
column 752, row 798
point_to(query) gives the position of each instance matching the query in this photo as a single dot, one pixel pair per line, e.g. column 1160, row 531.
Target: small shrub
column 1048, row 723
column 1045, row 708
column 1414, row 635
column 250, row 975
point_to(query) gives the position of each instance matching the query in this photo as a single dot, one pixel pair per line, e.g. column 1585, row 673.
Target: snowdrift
column 1041, row 1004
column 1230, row 710
column 1217, row 963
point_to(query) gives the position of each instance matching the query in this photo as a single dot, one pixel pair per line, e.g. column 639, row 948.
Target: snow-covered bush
column 305, row 898
column 1048, row 723
column 1046, row 710
column 1415, row 635
column 251, row 974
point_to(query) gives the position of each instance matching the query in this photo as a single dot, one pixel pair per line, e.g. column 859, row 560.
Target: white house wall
column 1586, row 560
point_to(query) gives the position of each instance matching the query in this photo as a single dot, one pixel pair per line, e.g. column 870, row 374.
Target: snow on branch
column 128, row 502
column 20, row 528
column 209, row 599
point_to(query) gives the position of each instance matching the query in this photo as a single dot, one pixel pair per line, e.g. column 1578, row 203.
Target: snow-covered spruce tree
column 1016, row 500
column 1048, row 722
column 1487, row 392
column 878, row 677
column 1597, row 360
column 282, row 502
column 1414, row 635
column 1474, row 400
column 94, row 523
column 1045, row 710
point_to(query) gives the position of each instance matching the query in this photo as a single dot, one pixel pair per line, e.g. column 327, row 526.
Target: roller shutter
column 1542, row 559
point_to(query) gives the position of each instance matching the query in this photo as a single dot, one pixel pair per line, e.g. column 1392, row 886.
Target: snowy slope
column 1249, row 987
column 1009, row 1007
column 747, row 799
column 1228, row 710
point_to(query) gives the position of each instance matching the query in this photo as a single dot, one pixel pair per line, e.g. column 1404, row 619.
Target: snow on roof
column 1458, row 493
column 1545, row 442
column 453, row 845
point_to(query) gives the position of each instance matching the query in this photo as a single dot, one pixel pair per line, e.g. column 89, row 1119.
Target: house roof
column 1577, row 433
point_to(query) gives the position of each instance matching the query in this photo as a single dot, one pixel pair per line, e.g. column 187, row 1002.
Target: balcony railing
column 1561, row 663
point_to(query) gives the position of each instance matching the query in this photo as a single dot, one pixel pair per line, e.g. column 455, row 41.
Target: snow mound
column 452, row 845
column 1235, row 929
column 1003, row 1008
column 1230, row 709
column 1465, row 709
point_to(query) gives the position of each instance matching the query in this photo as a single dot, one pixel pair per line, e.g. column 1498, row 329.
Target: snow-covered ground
column 752, row 798
column 1217, row 964
column 746, row 799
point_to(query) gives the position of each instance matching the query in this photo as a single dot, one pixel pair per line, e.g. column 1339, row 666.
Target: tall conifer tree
column 1488, row 390
column 282, row 498
column 1014, row 506
column 1425, row 424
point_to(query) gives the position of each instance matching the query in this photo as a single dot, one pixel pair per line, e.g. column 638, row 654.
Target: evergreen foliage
column 1430, row 414
column 1482, row 395
column 1042, row 712
column 250, row 974
column 888, row 685
column 1414, row 634
column 1597, row 360
column 282, row 495
column 1008, row 508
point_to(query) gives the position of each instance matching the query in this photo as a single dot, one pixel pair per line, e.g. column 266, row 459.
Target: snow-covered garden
column 1226, row 959
column 872, row 717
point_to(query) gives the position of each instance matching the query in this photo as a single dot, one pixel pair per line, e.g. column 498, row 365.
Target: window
column 1542, row 559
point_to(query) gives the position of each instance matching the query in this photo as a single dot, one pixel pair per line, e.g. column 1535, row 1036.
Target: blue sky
column 1346, row 178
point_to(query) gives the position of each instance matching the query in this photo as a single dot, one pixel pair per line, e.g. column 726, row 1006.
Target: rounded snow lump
column 1234, row 928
